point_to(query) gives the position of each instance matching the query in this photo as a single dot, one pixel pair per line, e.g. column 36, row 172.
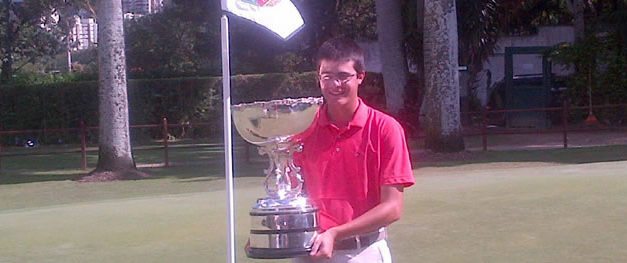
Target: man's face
column 339, row 81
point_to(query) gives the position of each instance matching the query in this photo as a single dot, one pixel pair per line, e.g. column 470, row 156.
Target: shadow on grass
column 197, row 164
column 202, row 162
column 191, row 171
column 562, row 156
column 30, row 176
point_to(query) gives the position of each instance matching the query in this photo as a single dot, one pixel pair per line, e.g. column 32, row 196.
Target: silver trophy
column 284, row 222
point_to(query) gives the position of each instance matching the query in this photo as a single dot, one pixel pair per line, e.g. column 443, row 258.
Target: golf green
column 488, row 212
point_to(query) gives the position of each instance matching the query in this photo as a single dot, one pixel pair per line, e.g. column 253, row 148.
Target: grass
column 550, row 213
column 507, row 206
column 525, row 157
column 63, row 163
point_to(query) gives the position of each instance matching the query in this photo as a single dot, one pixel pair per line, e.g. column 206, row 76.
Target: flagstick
column 228, row 147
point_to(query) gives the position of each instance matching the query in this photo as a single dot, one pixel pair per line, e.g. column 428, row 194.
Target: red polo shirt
column 345, row 169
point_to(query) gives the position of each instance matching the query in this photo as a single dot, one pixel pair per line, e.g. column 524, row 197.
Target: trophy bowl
column 284, row 222
column 265, row 122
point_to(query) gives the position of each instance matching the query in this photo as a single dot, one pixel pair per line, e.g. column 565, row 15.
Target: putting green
column 186, row 227
column 469, row 213
column 539, row 213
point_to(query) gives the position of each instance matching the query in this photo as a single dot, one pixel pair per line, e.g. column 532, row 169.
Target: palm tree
column 115, row 159
column 442, row 114
column 577, row 8
column 478, row 35
column 485, row 20
column 393, row 61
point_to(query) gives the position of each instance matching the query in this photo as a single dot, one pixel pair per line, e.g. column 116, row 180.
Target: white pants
column 378, row 252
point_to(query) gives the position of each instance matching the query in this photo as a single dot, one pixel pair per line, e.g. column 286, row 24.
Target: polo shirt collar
column 359, row 118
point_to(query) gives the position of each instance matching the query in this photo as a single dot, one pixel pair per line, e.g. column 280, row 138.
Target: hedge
column 181, row 100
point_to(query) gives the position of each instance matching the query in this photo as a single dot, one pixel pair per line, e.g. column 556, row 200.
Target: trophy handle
column 269, row 171
column 296, row 148
column 283, row 177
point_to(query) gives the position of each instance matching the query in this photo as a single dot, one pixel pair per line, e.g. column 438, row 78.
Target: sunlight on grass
column 59, row 172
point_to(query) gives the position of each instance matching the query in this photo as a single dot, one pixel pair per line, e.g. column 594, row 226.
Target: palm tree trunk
column 115, row 159
column 7, row 60
column 394, row 63
column 442, row 112
column 577, row 8
column 420, row 66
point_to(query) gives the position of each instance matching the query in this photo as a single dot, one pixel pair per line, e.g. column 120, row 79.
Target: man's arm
column 385, row 213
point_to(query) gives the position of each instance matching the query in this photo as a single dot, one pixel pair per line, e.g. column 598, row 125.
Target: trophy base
column 282, row 228
column 277, row 253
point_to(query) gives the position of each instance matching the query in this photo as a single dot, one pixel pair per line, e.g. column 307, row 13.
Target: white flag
column 280, row 16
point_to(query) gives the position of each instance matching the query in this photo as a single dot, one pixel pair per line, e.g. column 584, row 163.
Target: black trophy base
column 276, row 253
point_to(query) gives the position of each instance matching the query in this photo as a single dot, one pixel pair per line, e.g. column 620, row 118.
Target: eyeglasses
column 333, row 78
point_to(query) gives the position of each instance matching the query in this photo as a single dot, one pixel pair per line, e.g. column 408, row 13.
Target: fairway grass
column 550, row 213
column 186, row 227
column 490, row 211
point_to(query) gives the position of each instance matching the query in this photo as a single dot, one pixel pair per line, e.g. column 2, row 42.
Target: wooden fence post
column 0, row 148
column 166, row 157
column 484, row 124
column 83, row 134
column 565, row 123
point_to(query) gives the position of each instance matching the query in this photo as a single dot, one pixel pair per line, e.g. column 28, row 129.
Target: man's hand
column 385, row 213
column 323, row 245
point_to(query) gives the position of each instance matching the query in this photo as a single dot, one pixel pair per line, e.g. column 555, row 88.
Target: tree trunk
column 442, row 113
column 577, row 8
column 420, row 66
column 115, row 160
column 7, row 60
column 393, row 61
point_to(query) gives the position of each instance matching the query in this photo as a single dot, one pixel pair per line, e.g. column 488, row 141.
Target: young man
column 355, row 162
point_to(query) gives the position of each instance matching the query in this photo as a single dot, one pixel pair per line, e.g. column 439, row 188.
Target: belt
column 360, row 241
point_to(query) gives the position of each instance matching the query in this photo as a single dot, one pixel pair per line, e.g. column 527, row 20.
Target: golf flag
column 279, row 16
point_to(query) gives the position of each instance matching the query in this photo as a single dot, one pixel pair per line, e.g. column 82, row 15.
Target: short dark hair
column 342, row 49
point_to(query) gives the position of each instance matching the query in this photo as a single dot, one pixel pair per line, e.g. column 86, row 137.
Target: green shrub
column 63, row 104
column 599, row 63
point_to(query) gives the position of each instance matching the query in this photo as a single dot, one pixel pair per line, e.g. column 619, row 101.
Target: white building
column 523, row 64
column 142, row 7
column 84, row 34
